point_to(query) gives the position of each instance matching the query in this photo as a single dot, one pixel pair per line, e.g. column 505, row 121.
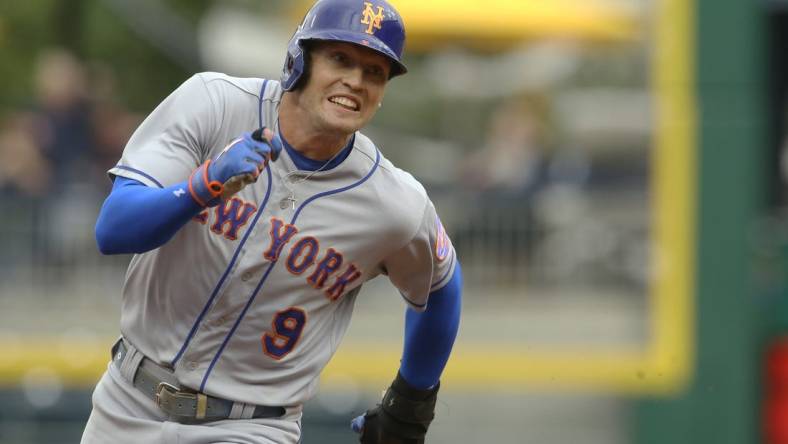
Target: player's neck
column 311, row 142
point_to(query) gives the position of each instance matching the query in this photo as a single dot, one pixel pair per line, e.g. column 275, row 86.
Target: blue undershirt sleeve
column 136, row 218
column 429, row 335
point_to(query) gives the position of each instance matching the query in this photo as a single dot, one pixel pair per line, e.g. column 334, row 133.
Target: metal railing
column 555, row 238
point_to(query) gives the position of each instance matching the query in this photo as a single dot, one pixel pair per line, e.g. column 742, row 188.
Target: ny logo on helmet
column 371, row 18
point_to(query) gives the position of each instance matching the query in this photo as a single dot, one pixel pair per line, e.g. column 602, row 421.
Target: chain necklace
column 291, row 187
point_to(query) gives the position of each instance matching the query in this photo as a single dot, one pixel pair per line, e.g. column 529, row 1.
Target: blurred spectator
column 54, row 158
column 512, row 162
column 112, row 123
column 502, row 177
column 23, row 169
column 80, row 130
column 63, row 128
column 70, row 135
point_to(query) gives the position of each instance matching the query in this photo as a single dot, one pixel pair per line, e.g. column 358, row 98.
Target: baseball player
column 256, row 211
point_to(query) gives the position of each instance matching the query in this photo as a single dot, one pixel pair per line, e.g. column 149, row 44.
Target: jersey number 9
column 287, row 327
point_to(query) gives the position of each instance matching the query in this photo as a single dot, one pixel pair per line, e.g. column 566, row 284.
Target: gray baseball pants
column 124, row 415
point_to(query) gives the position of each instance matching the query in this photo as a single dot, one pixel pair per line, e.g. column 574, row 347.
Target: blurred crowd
column 73, row 130
column 54, row 154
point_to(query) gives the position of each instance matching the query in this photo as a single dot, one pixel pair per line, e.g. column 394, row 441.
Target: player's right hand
column 238, row 165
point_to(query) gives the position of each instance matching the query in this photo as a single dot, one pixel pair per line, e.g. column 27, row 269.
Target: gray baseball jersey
column 250, row 299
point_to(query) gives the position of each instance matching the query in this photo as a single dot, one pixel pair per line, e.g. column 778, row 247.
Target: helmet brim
column 363, row 40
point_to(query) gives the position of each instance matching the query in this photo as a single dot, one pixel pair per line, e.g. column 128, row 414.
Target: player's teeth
column 347, row 103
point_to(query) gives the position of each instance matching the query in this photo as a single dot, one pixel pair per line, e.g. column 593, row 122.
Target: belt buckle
column 163, row 386
column 198, row 402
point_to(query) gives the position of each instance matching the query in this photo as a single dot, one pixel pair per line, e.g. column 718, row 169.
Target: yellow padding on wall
column 373, row 366
column 493, row 22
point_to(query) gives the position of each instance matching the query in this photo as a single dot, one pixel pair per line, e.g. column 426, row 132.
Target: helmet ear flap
column 294, row 66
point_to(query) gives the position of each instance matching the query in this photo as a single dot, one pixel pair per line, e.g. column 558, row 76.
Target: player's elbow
column 111, row 235
column 118, row 235
column 105, row 241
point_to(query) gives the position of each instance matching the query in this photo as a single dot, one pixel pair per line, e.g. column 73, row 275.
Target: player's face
column 345, row 86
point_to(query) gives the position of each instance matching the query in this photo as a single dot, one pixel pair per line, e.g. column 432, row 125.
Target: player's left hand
column 402, row 417
column 357, row 424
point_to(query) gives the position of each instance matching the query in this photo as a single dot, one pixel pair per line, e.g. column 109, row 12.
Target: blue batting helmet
column 374, row 24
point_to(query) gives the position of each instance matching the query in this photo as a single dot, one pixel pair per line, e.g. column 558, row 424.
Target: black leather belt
column 182, row 405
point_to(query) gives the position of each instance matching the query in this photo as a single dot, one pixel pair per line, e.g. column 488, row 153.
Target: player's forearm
column 136, row 218
column 429, row 336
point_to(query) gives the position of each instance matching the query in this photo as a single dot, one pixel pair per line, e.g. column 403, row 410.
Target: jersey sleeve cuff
column 135, row 174
column 446, row 277
column 414, row 304
column 437, row 285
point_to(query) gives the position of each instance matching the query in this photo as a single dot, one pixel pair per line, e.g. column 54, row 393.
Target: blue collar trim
column 304, row 163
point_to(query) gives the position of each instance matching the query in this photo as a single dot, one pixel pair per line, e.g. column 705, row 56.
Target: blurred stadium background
column 611, row 172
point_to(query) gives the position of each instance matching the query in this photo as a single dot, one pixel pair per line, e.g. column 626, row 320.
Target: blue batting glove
column 357, row 424
column 236, row 166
